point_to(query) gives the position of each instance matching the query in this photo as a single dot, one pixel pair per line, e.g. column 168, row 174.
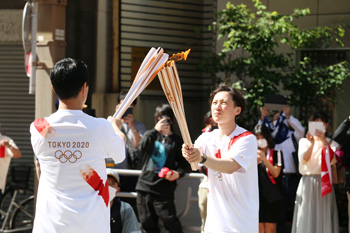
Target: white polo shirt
column 71, row 147
column 233, row 199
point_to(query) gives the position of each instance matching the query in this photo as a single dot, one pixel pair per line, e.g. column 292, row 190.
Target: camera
column 167, row 120
column 127, row 112
column 275, row 102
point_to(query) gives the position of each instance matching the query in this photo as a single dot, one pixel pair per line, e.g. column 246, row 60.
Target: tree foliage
column 249, row 59
column 315, row 87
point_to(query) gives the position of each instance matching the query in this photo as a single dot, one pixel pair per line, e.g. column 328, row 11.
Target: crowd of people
column 312, row 197
column 276, row 178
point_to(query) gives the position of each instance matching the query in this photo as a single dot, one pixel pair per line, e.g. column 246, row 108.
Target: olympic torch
column 170, row 81
column 151, row 65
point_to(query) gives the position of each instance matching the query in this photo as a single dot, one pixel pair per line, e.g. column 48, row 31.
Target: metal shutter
column 17, row 107
column 170, row 25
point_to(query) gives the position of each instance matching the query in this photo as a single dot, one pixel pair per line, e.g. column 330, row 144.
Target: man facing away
column 71, row 148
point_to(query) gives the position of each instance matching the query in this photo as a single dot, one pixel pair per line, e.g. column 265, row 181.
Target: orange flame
column 180, row 56
column 177, row 57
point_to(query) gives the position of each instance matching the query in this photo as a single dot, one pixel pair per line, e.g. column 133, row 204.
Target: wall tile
column 334, row 6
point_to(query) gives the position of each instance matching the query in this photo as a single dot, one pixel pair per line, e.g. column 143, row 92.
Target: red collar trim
column 235, row 138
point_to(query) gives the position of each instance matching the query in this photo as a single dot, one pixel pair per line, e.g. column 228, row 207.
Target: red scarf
column 326, row 183
column 268, row 172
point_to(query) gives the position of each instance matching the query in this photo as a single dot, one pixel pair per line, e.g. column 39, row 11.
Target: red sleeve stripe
column 41, row 125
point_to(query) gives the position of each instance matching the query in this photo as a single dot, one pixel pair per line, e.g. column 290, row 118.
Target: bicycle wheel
column 5, row 202
column 23, row 217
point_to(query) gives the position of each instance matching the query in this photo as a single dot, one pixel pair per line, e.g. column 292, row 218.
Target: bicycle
column 17, row 204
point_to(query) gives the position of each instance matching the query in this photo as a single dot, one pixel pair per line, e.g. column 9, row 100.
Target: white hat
column 113, row 173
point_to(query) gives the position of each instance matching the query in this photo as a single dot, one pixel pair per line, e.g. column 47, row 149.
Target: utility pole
column 51, row 44
column 50, row 48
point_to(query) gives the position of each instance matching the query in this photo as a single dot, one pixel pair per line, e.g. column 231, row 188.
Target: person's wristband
column 204, row 158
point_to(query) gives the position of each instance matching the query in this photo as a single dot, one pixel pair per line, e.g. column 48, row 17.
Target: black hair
column 122, row 95
column 237, row 97
column 265, row 132
column 319, row 115
column 114, row 179
column 68, row 77
column 164, row 110
column 207, row 118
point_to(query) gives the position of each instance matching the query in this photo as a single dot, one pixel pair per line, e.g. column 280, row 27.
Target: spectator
column 155, row 190
column 270, row 164
column 8, row 150
column 71, row 148
column 315, row 206
column 342, row 137
column 133, row 131
column 286, row 141
column 123, row 217
column 209, row 123
column 229, row 153
column 131, row 127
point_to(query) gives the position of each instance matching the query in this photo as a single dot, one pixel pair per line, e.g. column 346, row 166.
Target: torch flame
column 180, row 56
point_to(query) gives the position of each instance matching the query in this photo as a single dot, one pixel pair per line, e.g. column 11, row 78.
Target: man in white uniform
column 71, row 148
column 229, row 153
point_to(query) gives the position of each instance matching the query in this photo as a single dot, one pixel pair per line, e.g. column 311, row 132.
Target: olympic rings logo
column 217, row 175
column 68, row 156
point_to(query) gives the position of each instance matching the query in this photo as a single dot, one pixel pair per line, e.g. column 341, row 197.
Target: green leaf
column 250, row 40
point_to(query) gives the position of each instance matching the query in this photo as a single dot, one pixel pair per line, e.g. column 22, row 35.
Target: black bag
column 116, row 218
column 269, row 191
column 134, row 157
column 295, row 156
